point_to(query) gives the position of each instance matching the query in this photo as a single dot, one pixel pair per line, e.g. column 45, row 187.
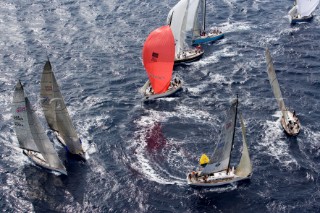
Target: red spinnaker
column 158, row 58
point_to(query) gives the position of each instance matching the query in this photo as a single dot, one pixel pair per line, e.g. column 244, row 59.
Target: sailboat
column 31, row 136
column 158, row 60
column 199, row 34
column 56, row 113
column 177, row 20
column 217, row 171
column 302, row 10
column 289, row 120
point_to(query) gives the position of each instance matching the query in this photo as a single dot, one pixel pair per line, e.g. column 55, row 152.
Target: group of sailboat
column 32, row 137
column 302, row 10
column 166, row 46
column 217, row 170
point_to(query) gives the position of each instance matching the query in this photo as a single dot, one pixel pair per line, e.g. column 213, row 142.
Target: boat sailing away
column 177, row 20
column 31, row 135
column 56, row 113
column 289, row 120
column 302, row 10
column 199, row 34
column 217, row 171
column 158, row 60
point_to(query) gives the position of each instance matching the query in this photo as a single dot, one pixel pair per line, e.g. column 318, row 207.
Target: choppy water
column 140, row 154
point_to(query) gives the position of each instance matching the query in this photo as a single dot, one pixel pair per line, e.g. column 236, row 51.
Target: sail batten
column 220, row 159
column 56, row 112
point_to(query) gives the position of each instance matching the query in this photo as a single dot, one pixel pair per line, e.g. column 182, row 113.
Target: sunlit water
column 139, row 154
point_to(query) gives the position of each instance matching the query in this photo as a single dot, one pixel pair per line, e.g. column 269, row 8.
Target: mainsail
column 244, row 168
column 42, row 141
column 56, row 111
column 20, row 117
column 275, row 85
column 177, row 19
column 306, row 7
column 158, row 58
column 220, row 159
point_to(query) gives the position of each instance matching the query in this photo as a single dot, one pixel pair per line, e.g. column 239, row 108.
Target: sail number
column 21, row 109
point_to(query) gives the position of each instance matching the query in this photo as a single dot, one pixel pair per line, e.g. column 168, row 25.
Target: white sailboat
column 177, row 20
column 31, row 135
column 199, row 34
column 217, row 171
column 56, row 113
column 289, row 120
column 302, row 10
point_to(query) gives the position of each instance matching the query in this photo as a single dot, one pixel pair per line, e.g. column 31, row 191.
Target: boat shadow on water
column 48, row 191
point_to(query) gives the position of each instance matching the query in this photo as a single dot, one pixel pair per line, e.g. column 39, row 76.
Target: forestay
column 275, row 85
column 41, row 140
column 221, row 155
column 56, row 112
column 158, row 58
column 306, row 7
column 21, row 125
column 177, row 19
column 244, row 168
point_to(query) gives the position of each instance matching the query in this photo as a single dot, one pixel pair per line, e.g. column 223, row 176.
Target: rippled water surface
column 140, row 153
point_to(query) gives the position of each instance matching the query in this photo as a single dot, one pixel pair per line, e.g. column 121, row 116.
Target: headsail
column 306, row 7
column 158, row 58
column 42, row 141
column 275, row 85
column 244, row 168
column 178, row 16
column 221, row 156
column 21, row 125
column 192, row 20
column 56, row 111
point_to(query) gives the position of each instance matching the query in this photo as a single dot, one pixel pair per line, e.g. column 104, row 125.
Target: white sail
column 56, row 111
column 293, row 11
column 21, row 125
column 306, row 7
column 244, row 168
column 221, row 156
column 275, row 85
column 192, row 20
column 41, row 140
column 178, row 15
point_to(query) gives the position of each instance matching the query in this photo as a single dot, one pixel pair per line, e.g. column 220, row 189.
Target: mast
column 204, row 16
column 234, row 126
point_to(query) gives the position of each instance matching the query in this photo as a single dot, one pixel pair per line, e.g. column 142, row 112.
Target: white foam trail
column 275, row 144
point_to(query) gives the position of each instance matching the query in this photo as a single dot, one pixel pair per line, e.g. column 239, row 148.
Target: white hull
column 38, row 159
column 189, row 56
column 292, row 128
column 150, row 96
column 217, row 179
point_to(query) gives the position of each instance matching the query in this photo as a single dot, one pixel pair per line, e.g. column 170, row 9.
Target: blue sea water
column 139, row 154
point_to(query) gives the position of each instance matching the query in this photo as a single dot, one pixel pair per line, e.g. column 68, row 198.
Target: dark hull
column 81, row 156
column 302, row 19
column 169, row 93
